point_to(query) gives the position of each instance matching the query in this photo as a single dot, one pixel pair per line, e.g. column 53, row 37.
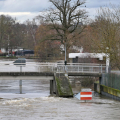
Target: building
column 90, row 58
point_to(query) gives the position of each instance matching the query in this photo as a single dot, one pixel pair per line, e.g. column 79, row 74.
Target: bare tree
column 17, row 36
column 6, row 23
column 106, row 29
column 30, row 34
column 65, row 17
column 47, row 49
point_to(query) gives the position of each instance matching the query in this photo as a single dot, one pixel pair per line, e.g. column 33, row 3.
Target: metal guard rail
column 52, row 67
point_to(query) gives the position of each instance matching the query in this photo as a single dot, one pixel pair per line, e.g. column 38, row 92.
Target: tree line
column 66, row 24
column 14, row 34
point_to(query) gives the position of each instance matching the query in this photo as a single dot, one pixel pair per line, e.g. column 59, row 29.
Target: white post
column 107, row 63
column 101, row 68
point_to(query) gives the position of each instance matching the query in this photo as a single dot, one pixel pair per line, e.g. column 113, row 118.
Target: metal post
column 20, row 86
column 8, row 45
column 20, row 68
column 65, row 59
column 51, row 87
column 101, row 68
column 20, row 81
column 52, row 68
column 65, row 51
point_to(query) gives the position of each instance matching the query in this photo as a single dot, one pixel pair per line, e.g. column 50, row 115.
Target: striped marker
column 85, row 95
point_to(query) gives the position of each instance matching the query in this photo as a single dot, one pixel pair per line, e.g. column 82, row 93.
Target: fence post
column 101, row 68
column 20, row 86
column 39, row 69
column 82, row 68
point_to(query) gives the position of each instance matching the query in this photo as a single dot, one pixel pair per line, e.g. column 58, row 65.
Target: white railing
column 52, row 67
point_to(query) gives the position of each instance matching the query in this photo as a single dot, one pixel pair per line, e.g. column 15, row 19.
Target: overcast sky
column 28, row 9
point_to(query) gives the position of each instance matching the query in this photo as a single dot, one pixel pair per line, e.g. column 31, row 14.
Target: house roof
column 87, row 55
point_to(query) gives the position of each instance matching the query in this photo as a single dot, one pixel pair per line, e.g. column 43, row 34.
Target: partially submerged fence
column 52, row 67
column 111, row 80
column 82, row 67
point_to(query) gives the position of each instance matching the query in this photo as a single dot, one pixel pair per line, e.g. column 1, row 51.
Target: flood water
column 36, row 104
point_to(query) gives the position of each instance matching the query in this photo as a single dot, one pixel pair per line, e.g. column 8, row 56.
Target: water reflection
column 28, row 86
